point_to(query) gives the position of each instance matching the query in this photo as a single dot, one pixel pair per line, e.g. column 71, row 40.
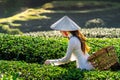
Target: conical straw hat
column 65, row 24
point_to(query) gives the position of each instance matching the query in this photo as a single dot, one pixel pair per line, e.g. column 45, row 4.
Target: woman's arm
column 66, row 58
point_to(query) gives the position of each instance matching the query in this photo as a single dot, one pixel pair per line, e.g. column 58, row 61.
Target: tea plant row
column 38, row 49
column 25, row 56
column 89, row 32
column 18, row 70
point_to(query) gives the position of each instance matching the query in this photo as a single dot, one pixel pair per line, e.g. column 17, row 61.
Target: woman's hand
column 47, row 62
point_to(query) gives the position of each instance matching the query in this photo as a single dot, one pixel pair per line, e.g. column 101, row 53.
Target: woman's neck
column 70, row 35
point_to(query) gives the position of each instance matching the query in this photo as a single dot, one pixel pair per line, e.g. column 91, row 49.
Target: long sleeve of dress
column 68, row 55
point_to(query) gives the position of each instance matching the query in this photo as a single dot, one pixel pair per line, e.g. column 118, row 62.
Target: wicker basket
column 103, row 59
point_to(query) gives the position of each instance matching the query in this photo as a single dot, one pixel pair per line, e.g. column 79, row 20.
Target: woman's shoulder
column 74, row 38
column 74, row 41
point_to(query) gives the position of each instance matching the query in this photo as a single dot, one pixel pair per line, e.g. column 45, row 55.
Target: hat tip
column 65, row 16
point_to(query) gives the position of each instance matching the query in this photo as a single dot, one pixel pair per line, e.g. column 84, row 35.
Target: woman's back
column 78, row 55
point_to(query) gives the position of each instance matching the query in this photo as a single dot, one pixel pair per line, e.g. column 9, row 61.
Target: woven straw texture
column 104, row 58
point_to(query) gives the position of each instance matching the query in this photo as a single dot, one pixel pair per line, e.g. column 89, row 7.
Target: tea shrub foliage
column 18, row 70
column 22, row 58
column 38, row 49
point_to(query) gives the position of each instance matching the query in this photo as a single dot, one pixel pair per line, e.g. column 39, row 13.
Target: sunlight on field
column 47, row 5
column 26, row 15
column 64, row 7
column 29, row 14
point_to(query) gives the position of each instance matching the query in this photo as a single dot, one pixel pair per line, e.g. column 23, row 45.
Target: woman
column 77, row 48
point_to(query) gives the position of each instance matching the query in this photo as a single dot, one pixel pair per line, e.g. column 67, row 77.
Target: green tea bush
column 38, row 49
column 31, row 49
column 26, row 71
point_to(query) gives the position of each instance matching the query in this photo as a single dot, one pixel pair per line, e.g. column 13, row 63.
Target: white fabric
column 65, row 24
column 74, row 52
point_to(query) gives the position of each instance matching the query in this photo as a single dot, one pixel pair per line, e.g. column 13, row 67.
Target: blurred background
column 23, row 16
